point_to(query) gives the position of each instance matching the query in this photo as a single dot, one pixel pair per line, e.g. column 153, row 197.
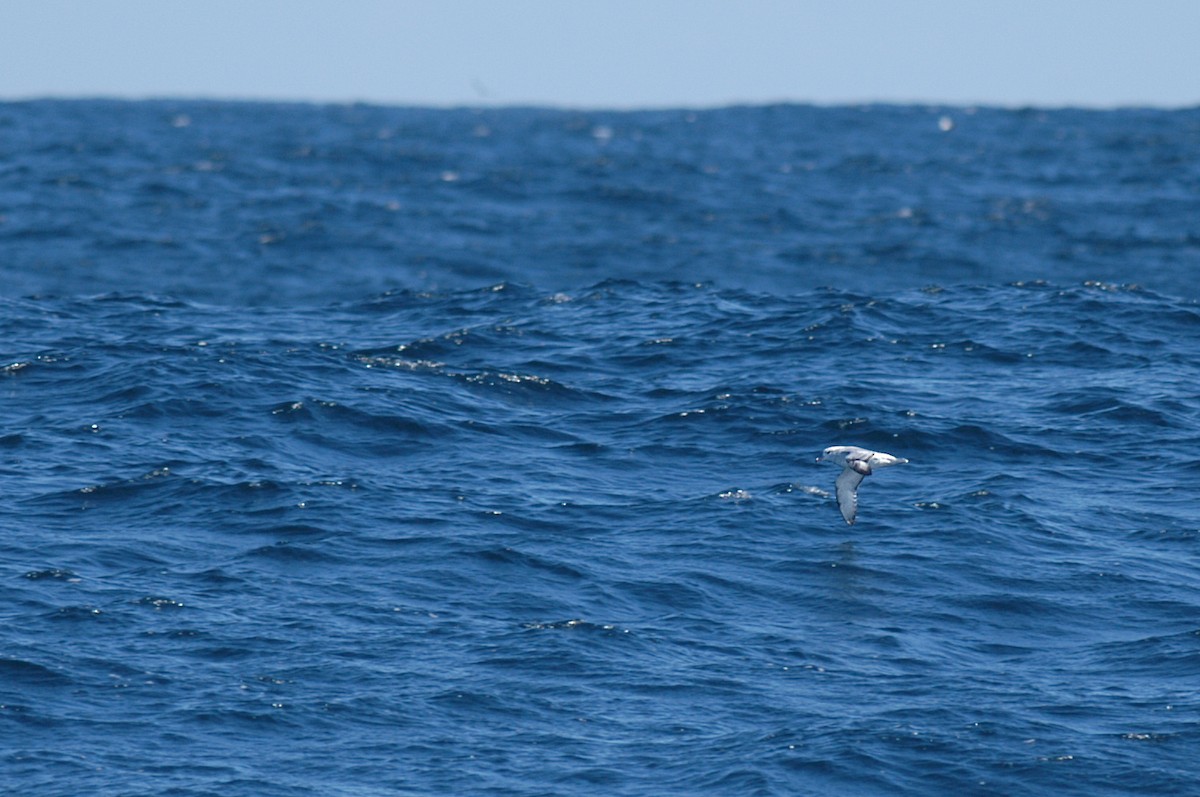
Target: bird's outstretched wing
column 847, row 493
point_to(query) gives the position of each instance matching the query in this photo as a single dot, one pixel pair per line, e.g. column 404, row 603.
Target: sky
column 611, row 54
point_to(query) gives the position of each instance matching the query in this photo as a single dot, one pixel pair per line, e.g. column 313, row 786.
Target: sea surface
column 363, row 451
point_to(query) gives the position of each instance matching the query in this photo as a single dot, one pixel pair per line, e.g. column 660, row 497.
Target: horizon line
column 481, row 105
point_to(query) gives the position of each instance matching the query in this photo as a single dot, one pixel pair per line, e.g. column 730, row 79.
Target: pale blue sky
column 619, row 53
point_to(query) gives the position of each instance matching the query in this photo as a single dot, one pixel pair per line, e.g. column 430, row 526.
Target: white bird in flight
column 858, row 464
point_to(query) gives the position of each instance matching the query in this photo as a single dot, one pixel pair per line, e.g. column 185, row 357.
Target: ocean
column 363, row 451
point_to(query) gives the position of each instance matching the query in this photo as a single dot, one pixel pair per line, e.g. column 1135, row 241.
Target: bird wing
column 860, row 460
column 847, row 493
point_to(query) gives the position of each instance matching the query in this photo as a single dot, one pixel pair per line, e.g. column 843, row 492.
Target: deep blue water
column 372, row 451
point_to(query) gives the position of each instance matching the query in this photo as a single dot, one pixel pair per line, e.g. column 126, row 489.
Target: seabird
column 858, row 464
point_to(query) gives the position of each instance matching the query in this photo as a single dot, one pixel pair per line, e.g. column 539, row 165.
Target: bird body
column 857, row 464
